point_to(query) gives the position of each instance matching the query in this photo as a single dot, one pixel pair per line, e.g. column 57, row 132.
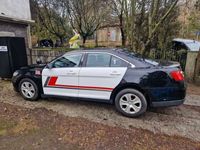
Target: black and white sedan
column 111, row 75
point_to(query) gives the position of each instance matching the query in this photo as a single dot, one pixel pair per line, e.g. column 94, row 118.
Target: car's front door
column 61, row 79
column 101, row 73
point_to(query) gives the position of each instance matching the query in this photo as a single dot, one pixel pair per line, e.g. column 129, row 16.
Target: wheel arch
column 37, row 82
column 16, row 84
column 132, row 86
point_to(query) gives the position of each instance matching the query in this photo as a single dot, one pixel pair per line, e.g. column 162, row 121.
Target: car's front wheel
column 131, row 103
column 28, row 89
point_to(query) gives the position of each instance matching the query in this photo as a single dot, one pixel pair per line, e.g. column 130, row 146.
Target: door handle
column 115, row 73
column 71, row 72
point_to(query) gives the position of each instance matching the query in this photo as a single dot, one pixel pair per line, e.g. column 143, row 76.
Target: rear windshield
column 137, row 59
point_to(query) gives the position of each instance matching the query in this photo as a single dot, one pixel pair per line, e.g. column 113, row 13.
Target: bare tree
column 37, row 29
column 53, row 17
column 155, row 21
column 117, row 7
column 86, row 16
column 140, row 20
column 157, row 12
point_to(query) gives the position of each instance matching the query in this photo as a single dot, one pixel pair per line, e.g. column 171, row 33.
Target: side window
column 67, row 61
column 116, row 62
column 98, row 60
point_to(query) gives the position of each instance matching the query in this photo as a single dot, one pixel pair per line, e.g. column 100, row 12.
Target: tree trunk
column 61, row 41
column 96, row 39
column 146, row 50
column 84, row 40
column 132, row 24
column 123, row 36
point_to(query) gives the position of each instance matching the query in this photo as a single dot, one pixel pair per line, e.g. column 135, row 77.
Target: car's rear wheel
column 28, row 89
column 131, row 103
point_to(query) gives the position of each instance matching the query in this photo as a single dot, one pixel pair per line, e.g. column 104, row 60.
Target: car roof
column 109, row 50
column 138, row 62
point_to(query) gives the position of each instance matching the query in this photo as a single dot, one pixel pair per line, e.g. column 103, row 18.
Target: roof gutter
column 16, row 20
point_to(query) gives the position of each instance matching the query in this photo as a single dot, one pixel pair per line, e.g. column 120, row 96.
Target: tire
column 28, row 89
column 130, row 103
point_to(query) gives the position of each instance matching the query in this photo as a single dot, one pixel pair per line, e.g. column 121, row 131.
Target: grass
column 21, row 127
column 5, row 126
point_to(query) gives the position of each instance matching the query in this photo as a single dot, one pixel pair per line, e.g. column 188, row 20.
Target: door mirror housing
column 49, row 66
column 39, row 61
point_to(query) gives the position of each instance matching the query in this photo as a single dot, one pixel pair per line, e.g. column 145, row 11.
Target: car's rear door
column 100, row 74
column 62, row 78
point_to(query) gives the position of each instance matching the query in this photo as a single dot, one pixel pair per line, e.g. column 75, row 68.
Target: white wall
column 19, row 9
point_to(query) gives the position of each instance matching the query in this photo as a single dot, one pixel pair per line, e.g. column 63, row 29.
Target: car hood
column 34, row 66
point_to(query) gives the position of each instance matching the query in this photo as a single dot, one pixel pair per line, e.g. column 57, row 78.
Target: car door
column 61, row 79
column 100, row 75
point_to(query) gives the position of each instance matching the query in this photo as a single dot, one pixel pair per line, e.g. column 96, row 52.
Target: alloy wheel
column 27, row 89
column 130, row 103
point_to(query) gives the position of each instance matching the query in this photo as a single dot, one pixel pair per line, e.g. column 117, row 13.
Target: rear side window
column 98, row 60
column 117, row 62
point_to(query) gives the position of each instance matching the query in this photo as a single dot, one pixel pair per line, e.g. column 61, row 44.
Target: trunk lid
column 164, row 63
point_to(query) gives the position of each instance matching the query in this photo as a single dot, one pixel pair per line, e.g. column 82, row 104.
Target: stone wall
column 190, row 65
column 46, row 55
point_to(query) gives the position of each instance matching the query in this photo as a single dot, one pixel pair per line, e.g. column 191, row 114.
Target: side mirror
column 49, row 66
column 39, row 61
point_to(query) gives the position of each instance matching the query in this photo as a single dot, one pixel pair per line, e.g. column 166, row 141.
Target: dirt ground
column 64, row 124
column 193, row 89
column 44, row 129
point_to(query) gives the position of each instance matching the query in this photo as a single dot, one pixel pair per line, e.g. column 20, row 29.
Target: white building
column 15, row 20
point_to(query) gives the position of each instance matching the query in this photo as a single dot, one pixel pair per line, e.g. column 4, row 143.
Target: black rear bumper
column 167, row 103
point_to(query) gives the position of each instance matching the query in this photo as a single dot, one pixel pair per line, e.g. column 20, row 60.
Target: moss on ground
column 5, row 126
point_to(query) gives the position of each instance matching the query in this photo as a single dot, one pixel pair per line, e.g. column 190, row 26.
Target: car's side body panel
column 156, row 83
column 60, row 81
column 31, row 73
column 99, row 82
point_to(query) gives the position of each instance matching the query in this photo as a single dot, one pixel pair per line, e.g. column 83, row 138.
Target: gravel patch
column 181, row 121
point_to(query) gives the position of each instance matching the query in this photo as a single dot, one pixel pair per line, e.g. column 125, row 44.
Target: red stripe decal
column 52, row 83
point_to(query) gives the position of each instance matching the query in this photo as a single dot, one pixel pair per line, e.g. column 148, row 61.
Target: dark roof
column 110, row 50
column 138, row 62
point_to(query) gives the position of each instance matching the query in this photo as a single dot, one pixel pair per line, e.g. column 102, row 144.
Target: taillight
column 177, row 75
